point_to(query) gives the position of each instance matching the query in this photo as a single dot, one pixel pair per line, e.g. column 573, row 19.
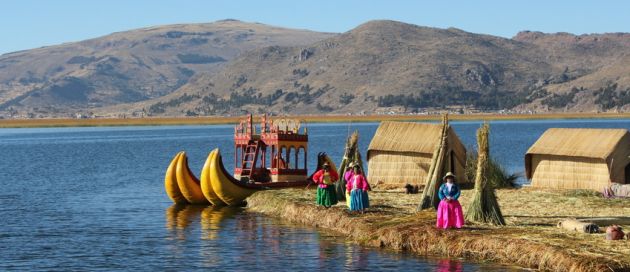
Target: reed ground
column 530, row 238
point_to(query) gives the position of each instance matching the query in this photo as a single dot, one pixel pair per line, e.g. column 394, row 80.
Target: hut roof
column 411, row 137
column 578, row 142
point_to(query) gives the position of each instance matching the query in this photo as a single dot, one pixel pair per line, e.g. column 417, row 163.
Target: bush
column 562, row 100
column 497, row 175
column 609, row 97
column 488, row 99
column 80, row 60
column 321, row 107
column 346, row 98
column 300, row 72
column 185, row 71
column 198, row 59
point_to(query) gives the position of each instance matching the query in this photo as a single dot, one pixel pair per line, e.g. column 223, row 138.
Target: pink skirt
column 450, row 214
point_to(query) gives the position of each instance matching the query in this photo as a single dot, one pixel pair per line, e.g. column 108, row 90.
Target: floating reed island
column 530, row 237
column 551, row 226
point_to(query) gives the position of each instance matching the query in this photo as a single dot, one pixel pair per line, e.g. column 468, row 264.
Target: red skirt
column 450, row 214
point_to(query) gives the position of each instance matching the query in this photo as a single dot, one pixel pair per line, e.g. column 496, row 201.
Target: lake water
column 93, row 199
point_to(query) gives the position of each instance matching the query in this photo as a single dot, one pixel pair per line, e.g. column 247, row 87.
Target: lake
column 93, row 199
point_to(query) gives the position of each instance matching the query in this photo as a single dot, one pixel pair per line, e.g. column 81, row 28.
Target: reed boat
column 170, row 182
column 273, row 158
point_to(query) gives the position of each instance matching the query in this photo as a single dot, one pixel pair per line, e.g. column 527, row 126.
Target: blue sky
column 26, row 24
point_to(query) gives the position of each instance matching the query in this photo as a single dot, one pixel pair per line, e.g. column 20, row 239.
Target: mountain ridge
column 490, row 72
column 382, row 66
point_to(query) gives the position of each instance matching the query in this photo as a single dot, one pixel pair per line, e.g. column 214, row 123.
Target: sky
column 26, row 24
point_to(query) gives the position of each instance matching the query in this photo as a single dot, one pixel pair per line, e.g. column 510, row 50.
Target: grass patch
column 581, row 193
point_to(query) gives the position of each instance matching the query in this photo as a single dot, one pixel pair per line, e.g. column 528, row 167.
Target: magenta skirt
column 450, row 215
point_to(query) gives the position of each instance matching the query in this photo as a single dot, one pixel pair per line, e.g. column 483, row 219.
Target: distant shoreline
column 170, row 121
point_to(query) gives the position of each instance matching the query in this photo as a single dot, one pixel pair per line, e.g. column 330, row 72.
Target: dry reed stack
column 358, row 160
column 351, row 155
column 430, row 193
column 484, row 207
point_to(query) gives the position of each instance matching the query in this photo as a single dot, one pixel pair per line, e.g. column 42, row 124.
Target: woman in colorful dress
column 325, row 179
column 449, row 213
column 347, row 177
column 358, row 187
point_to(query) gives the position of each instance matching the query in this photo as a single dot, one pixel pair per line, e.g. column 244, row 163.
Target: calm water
column 93, row 199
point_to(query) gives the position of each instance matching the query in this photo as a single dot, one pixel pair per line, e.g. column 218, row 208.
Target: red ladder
column 250, row 158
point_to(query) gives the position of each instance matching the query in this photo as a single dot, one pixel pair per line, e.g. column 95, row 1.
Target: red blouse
column 318, row 177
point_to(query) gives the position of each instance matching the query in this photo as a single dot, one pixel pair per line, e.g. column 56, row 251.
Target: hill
column 386, row 65
column 130, row 66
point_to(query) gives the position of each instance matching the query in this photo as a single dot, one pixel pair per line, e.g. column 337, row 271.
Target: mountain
column 130, row 66
column 231, row 67
column 596, row 71
column 385, row 65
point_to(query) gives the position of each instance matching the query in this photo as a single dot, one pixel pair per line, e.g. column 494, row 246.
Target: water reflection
column 211, row 218
column 356, row 257
column 179, row 217
column 232, row 239
column 171, row 215
column 449, row 266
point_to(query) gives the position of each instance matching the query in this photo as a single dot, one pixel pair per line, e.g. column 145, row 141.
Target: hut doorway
column 627, row 173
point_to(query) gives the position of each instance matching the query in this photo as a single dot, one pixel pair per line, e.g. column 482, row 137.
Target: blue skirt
column 359, row 200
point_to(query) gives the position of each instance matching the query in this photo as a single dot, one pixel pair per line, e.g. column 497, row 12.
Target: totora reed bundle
column 484, row 206
column 351, row 155
column 430, row 193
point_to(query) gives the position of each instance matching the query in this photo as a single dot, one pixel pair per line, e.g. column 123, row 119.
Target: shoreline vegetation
column 166, row 121
column 529, row 239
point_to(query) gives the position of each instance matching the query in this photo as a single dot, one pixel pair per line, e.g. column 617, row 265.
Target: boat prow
column 170, row 182
column 188, row 183
column 230, row 190
column 206, row 183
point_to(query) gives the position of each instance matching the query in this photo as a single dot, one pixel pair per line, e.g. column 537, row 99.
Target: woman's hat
column 449, row 174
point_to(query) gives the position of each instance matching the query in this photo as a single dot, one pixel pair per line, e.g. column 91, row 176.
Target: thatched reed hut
column 401, row 153
column 569, row 158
